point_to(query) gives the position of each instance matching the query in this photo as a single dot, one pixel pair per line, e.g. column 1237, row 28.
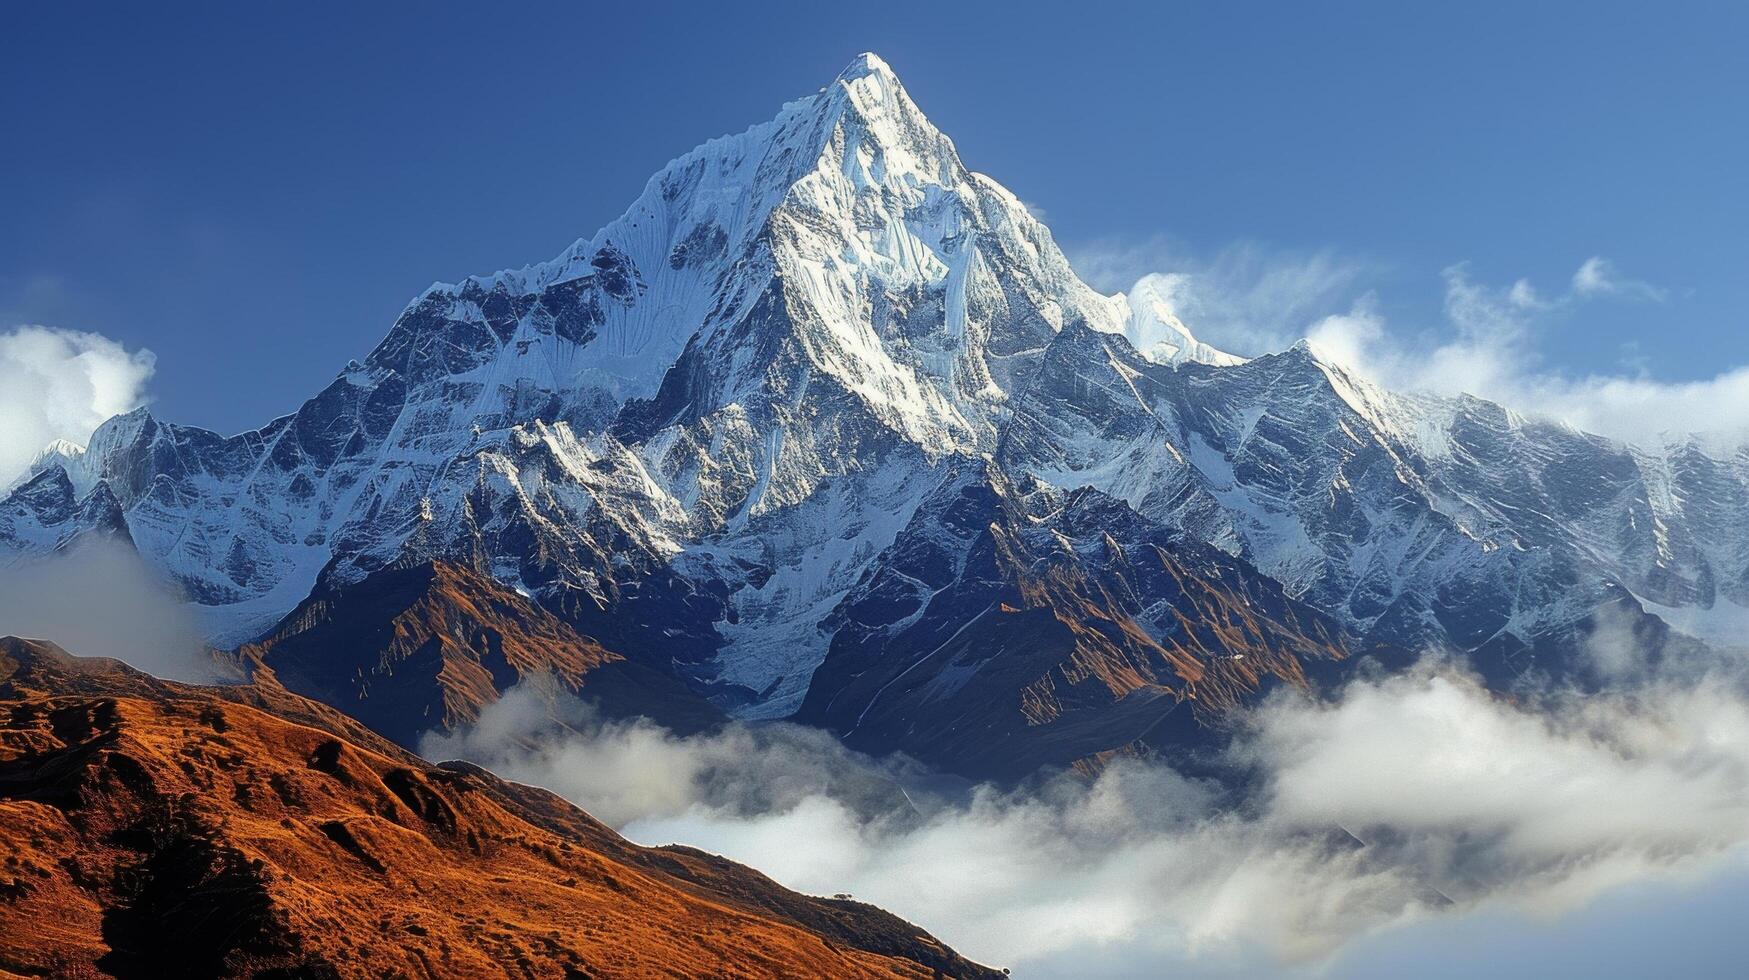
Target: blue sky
column 254, row 193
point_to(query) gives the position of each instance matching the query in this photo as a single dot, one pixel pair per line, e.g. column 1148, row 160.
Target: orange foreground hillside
column 149, row 828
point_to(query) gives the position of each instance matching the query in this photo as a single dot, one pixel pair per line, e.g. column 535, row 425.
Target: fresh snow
column 751, row 378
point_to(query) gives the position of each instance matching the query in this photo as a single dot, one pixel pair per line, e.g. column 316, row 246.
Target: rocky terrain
column 159, row 829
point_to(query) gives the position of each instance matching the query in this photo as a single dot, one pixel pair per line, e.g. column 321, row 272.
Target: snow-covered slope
column 1419, row 520
column 799, row 319
column 701, row 435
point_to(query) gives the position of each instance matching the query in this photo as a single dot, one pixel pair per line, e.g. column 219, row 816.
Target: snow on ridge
column 753, row 374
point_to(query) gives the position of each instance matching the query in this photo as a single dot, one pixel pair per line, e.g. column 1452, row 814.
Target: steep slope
column 46, row 514
column 773, row 342
column 1004, row 631
column 153, row 829
column 425, row 647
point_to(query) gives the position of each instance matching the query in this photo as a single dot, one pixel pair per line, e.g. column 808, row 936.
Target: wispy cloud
column 61, row 384
column 1251, row 300
column 1598, row 277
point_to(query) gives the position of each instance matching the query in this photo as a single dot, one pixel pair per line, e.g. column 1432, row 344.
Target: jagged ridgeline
column 825, row 423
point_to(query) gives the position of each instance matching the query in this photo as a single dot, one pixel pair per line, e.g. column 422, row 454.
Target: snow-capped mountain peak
column 864, row 65
column 702, row 433
column 779, row 310
column 1160, row 335
column 60, row 447
column 57, row 453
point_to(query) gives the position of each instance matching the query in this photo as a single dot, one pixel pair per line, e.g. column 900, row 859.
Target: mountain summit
column 823, row 397
column 839, row 261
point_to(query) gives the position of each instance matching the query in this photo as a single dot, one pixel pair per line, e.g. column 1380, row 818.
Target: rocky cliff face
column 711, row 435
column 426, row 647
column 161, row 829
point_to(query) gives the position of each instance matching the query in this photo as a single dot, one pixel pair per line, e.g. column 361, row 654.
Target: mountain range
column 826, row 427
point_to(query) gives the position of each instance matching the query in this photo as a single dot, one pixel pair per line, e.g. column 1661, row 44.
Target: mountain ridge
column 700, row 435
column 427, row 647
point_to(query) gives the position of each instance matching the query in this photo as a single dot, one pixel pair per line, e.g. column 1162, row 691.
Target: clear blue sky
column 252, row 186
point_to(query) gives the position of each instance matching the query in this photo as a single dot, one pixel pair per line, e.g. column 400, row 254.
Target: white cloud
column 1462, row 806
column 61, row 384
column 1598, row 276
column 1639, row 408
column 1246, row 300
column 1487, row 348
column 1610, row 779
column 629, row 770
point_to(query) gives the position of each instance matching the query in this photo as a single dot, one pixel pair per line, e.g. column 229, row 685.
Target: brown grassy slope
column 149, row 828
column 429, row 646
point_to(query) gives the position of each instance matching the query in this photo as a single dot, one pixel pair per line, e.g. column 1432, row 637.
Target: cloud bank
column 1376, row 816
column 99, row 599
column 61, row 384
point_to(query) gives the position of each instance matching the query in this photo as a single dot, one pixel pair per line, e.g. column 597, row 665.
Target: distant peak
column 863, row 65
column 59, row 447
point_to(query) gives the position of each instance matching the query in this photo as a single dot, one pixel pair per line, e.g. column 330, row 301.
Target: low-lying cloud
column 99, row 599
column 62, row 384
column 1409, row 799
